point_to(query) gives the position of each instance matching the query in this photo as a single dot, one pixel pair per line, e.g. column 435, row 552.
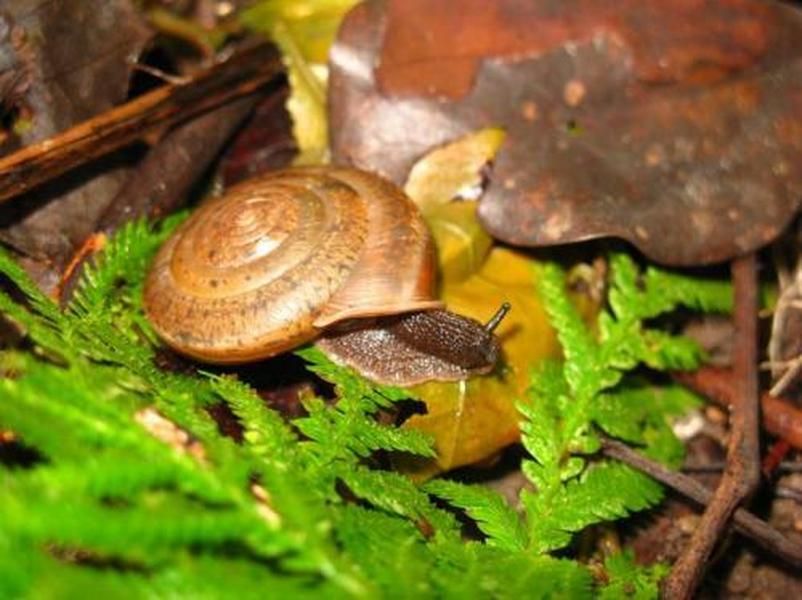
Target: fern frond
column 486, row 572
column 114, row 277
column 341, row 432
column 347, row 429
column 636, row 297
column 583, row 370
column 396, row 494
column 368, row 396
column 493, row 515
column 266, row 433
column 591, row 390
column 540, row 577
column 625, row 579
column 605, row 492
column 42, row 320
column 299, row 506
column 640, row 413
column 392, row 551
column 39, row 302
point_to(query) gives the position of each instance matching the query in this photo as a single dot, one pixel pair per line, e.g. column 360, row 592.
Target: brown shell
column 278, row 258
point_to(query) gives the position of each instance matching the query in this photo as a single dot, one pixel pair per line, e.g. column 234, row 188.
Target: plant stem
column 742, row 473
column 745, row 522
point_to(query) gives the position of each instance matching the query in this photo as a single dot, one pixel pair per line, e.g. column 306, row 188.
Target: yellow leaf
column 304, row 32
column 462, row 244
column 454, row 170
column 311, row 23
column 472, row 420
column 449, row 172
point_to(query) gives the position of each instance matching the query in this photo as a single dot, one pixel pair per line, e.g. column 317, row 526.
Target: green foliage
column 592, row 392
column 628, row 580
column 106, row 495
column 494, row 517
column 128, row 487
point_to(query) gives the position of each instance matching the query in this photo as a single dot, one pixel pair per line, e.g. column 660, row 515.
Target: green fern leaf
column 347, row 429
column 392, row 551
column 605, row 492
column 496, row 519
column 114, row 277
column 629, row 580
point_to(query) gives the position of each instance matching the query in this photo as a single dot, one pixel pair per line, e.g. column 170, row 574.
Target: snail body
column 284, row 258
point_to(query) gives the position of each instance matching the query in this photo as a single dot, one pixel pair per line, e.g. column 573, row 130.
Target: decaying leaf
column 675, row 125
column 266, row 143
column 462, row 243
column 74, row 59
column 453, row 171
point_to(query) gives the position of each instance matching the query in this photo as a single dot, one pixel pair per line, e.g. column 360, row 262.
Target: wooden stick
column 779, row 416
column 742, row 472
column 242, row 74
column 745, row 522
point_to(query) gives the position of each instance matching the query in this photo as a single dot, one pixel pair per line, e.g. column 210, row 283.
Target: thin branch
column 742, row 473
column 779, row 417
column 241, row 75
column 745, row 522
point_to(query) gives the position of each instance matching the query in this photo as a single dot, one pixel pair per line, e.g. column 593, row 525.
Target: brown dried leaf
column 675, row 125
column 75, row 59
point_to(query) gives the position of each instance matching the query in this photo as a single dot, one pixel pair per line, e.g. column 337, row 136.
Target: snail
column 336, row 255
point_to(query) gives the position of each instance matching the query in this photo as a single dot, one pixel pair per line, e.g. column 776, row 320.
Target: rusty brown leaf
column 674, row 125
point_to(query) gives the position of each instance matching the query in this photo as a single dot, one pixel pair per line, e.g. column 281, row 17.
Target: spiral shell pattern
column 278, row 258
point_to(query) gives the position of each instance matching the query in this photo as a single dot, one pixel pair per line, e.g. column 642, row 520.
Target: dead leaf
column 265, row 144
column 462, row 244
column 75, row 57
column 455, row 171
column 674, row 125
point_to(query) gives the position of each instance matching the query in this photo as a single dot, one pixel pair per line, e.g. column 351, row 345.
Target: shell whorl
column 266, row 266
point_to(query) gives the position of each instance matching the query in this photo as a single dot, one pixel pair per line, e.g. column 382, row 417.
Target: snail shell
column 279, row 258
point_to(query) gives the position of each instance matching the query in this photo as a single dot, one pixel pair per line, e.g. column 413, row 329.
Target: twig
column 716, row 467
column 779, row 417
column 745, row 522
column 742, row 473
column 788, row 377
column 165, row 106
